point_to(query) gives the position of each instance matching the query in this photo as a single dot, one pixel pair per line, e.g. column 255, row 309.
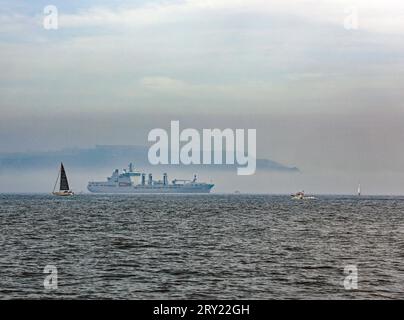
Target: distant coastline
column 108, row 156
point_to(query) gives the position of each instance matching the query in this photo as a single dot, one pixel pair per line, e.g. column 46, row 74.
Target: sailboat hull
column 63, row 193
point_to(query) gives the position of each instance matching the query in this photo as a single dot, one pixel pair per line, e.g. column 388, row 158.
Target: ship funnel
column 143, row 179
column 165, row 179
column 131, row 167
column 150, row 182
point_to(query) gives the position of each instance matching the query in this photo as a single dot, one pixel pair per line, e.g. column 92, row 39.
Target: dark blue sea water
column 201, row 246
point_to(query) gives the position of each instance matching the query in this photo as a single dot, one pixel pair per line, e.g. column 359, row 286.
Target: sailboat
column 64, row 189
column 359, row 190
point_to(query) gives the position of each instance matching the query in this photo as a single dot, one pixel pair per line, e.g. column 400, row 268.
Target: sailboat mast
column 56, row 182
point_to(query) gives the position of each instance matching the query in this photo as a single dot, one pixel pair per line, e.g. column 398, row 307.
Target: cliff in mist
column 110, row 156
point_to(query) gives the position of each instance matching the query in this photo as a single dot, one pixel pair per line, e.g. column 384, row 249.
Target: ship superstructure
column 131, row 181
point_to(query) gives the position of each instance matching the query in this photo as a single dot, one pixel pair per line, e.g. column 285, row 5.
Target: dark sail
column 64, row 185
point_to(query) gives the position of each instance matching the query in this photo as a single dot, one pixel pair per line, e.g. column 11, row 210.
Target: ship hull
column 146, row 189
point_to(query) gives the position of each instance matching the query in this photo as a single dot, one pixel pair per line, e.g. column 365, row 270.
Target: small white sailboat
column 64, row 189
column 359, row 190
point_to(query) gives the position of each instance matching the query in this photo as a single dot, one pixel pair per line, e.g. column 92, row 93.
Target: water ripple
column 201, row 246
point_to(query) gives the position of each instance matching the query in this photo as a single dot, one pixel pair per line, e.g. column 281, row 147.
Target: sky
column 321, row 81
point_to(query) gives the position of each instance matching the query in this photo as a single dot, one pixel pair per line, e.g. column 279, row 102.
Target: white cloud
column 376, row 16
column 228, row 61
column 163, row 83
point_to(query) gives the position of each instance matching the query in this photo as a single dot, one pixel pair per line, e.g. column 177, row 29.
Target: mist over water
column 201, row 246
column 333, row 152
column 43, row 181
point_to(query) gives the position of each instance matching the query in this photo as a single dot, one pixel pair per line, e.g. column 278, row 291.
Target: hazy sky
column 323, row 97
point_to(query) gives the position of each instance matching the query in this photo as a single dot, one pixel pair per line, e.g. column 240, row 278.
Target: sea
column 211, row 246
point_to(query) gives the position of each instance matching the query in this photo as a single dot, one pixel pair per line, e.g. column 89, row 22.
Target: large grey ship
column 131, row 181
